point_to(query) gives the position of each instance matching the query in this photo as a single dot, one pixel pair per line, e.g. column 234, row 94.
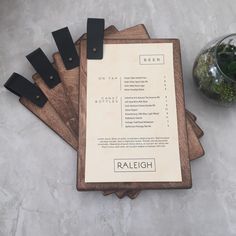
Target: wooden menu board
column 185, row 181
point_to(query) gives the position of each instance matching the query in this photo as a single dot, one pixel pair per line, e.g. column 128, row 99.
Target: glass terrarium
column 214, row 70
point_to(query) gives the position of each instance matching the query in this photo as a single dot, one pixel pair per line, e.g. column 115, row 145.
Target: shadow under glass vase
column 214, row 70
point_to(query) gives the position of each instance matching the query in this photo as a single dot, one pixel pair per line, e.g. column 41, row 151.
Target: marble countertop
column 37, row 169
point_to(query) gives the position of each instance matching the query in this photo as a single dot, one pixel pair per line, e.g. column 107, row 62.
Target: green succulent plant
column 226, row 58
column 217, row 82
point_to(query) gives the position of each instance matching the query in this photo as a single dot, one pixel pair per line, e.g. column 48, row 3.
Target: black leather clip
column 22, row 87
column 42, row 65
column 95, row 36
column 66, row 48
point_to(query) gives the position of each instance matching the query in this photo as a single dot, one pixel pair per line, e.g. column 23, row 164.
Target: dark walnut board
column 50, row 117
column 182, row 132
column 70, row 76
column 58, row 99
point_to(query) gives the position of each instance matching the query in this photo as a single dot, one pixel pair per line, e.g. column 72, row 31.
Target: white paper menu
column 131, row 129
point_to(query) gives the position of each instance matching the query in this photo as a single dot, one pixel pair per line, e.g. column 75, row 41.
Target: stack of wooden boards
column 54, row 95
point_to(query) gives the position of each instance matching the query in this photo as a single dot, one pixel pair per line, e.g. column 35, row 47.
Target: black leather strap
column 43, row 66
column 66, row 48
column 20, row 86
column 95, row 36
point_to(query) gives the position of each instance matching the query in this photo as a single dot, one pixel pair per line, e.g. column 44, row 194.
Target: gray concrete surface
column 37, row 169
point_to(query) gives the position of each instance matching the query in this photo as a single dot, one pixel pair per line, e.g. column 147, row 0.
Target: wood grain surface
column 191, row 115
column 58, row 99
column 70, row 81
column 198, row 131
column 194, row 143
column 182, row 133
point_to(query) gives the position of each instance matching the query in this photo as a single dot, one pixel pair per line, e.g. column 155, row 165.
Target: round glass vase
column 214, row 70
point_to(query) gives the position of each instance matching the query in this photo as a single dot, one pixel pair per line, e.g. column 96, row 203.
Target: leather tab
column 95, row 36
column 22, row 87
column 43, row 67
column 66, row 48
